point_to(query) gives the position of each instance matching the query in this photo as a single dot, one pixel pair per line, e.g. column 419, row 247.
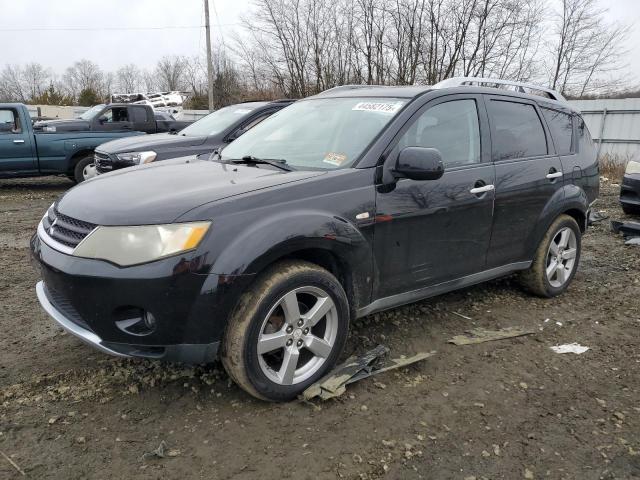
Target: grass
column 612, row 167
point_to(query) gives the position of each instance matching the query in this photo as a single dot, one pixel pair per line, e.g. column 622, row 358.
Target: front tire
column 287, row 331
column 81, row 170
column 556, row 259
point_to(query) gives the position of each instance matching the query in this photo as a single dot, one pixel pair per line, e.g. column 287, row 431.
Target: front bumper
column 86, row 297
column 630, row 190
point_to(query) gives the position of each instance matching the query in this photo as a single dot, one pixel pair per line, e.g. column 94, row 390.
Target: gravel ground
column 507, row 409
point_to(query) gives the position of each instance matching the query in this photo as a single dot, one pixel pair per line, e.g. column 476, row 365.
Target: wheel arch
column 75, row 157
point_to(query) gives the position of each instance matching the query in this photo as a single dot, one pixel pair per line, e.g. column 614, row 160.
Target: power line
column 91, row 29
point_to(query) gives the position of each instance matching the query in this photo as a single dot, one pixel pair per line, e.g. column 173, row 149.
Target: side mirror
column 419, row 163
column 102, row 119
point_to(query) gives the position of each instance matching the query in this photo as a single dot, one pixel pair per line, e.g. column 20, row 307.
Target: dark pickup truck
column 29, row 152
column 208, row 134
column 115, row 117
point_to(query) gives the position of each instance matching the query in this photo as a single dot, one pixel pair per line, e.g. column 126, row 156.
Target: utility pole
column 209, row 59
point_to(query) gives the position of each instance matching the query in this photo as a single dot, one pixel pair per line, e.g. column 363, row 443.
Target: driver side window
column 9, row 122
column 452, row 128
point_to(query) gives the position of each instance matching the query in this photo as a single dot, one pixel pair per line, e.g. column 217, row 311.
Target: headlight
column 137, row 157
column 633, row 167
column 126, row 246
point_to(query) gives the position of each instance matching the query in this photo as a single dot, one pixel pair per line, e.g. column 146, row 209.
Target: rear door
column 16, row 144
column 528, row 175
column 142, row 119
column 428, row 232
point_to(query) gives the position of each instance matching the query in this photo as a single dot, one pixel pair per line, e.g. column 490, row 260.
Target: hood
column 149, row 142
column 74, row 125
column 160, row 192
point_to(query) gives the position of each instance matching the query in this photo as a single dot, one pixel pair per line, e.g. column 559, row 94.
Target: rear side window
column 139, row 114
column 452, row 128
column 561, row 130
column 516, row 131
column 584, row 137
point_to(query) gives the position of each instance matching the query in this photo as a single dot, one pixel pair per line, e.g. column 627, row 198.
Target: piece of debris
column 463, row 316
column 570, row 348
column 595, row 217
column 161, row 452
column 13, row 464
column 480, row 335
column 628, row 229
column 633, row 241
column 356, row 368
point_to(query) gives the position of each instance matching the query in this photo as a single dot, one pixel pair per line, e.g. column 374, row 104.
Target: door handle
column 18, row 141
column 484, row 189
column 552, row 175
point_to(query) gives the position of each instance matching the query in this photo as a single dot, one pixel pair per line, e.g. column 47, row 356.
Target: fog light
column 134, row 320
column 149, row 320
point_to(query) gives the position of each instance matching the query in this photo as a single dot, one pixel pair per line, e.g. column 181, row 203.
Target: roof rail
column 497, row 83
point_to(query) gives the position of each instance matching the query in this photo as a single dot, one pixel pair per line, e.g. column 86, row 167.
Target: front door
column 432, row 231
column 528, row 175
column 16, row 146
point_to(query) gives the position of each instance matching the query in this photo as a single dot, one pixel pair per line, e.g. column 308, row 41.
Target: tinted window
column 584, row 137
column 450, row 127
column 9, row 122
column 516, row 130
column 139, row 114
column 561, row 130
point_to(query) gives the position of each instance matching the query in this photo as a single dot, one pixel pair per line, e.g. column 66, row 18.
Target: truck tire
column 287, row 331
column 80, row 171
column 556, row 259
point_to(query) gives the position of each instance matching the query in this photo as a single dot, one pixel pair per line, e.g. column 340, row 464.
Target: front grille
column 102, row 161
column 62, row 304
column 65, row 230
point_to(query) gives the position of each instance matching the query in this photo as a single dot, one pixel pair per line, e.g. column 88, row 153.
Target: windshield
column 92, row 112
column 217, row 121
column 317, row 134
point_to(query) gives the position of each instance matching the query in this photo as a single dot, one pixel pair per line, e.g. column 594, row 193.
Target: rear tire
column 80, row 170
column 287, row 331
column 556, row 259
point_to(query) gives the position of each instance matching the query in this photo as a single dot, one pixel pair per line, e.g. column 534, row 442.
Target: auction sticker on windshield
column 336, row 159
column 379, row 107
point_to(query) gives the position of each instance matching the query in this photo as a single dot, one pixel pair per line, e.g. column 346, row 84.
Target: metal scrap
column 595, row 217
column 355, row 368
column 628, row 229
column 481, row 335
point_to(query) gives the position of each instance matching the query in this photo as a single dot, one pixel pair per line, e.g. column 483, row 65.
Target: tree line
column 295, row 48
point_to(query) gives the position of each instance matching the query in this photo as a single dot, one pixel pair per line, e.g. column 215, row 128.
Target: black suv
column 350, row 202
column 208, row 134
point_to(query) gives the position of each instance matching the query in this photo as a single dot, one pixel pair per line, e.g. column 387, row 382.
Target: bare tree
column 83, row 75
column 170, row 73
column 12, row 87
column 128, row 79
column 585, row 49
column 36, row 79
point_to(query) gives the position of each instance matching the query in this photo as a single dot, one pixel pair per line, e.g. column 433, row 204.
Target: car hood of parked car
column 149, row 142
column 74, row 125
column 160, row 192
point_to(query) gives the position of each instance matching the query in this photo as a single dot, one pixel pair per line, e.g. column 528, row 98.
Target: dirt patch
column 507, row 409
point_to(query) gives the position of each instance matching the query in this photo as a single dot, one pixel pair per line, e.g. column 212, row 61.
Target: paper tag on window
column 380, row 107
column 336, row 159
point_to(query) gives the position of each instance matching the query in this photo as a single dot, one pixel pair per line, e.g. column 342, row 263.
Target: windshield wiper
column 275, row 162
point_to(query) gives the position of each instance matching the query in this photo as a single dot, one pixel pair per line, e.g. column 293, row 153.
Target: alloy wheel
column 297, row 335
column 561, row 257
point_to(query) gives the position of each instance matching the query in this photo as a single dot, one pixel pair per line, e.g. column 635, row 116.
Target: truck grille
column 102, row 161
column 65, row 230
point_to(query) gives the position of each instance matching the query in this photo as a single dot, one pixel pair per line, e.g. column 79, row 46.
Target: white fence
column 614, row 125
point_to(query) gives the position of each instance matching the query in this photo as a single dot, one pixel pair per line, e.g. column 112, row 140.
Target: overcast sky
column 112, row 33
